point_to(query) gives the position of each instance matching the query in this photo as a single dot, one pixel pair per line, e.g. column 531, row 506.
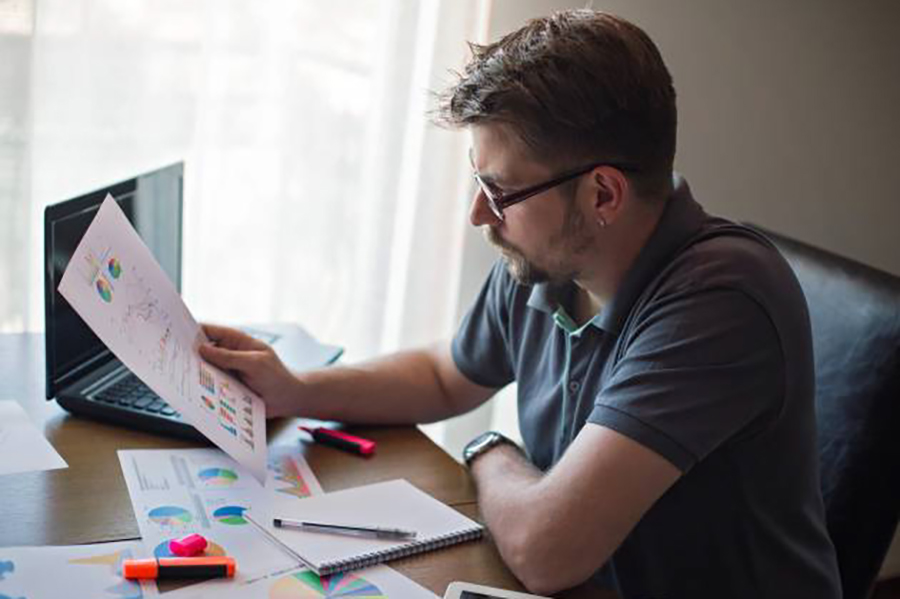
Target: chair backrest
column 855, row 315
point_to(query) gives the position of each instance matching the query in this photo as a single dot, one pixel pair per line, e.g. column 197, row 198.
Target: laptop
column 81, row 373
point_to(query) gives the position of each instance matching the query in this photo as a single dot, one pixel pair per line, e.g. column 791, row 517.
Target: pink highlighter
column 188, row 546
column 327, row 436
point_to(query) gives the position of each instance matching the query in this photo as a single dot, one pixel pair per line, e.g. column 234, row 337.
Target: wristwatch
column 482, row 444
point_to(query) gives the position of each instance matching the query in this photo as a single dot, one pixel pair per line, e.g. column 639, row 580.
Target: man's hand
column 256, row 364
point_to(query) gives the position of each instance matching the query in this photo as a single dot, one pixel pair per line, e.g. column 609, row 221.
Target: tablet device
column 467, row 590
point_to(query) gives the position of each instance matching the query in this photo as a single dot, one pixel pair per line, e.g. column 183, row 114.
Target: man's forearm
column 402, row 388
column 512, row 499
column 507, row 484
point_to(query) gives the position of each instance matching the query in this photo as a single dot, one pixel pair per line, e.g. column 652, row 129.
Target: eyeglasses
column 498, row 201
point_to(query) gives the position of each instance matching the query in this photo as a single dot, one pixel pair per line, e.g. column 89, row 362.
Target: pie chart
column 169, row 515
column 217, row 477
column 104, row 289
column 308, row 585
column 212, row 549
column 230, row 514
column 115, row 267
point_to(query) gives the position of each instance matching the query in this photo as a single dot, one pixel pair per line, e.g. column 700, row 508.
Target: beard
column 524, row 271
column 572, row 240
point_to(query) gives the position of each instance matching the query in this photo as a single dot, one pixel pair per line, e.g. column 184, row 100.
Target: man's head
column 576, row 87
column 565, row 92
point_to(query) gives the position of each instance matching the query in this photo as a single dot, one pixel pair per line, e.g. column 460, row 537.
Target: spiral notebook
column 391, row 504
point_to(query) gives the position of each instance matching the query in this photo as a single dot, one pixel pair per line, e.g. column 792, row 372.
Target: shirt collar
column 682, row 217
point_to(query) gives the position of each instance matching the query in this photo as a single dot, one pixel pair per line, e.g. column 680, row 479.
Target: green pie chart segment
column 232, row 515
column 307, row 585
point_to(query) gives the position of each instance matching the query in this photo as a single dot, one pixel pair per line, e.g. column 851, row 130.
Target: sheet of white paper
column 181, row 491
column 389, row 504
column 114, row 283
column 379, row 582
column 22, row 446
column 93, row 571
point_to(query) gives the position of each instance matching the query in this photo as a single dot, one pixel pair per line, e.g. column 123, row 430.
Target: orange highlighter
column 163, row 568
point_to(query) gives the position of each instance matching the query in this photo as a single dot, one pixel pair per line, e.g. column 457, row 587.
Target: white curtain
column 315, row 189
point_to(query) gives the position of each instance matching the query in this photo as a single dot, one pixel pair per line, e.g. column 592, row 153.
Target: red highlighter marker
column 327, row 436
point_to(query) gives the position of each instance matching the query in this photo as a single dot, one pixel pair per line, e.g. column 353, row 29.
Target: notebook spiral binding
column 384, row 555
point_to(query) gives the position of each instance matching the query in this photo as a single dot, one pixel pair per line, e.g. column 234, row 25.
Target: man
column 662, row 356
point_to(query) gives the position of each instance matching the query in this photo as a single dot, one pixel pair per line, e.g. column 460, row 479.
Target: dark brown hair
column 578, row 86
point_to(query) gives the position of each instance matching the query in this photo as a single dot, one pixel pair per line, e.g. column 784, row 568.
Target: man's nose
column 480, row 212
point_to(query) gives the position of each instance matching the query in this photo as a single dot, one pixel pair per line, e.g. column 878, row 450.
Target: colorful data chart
column 6, row 568
column 207, row 381
column 227, row 410
column 125, row 589
column 104, row 289
column 212, row 550
column 217, row 477
column 232, row 515
column 170, row 515
column 114, row 267
column 247, row 422
column 307, row 585
column 285, row 471
column 113, row 560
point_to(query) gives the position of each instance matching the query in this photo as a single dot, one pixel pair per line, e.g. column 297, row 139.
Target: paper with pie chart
column 176, row 492
column 119, row 289
column 379, row 582
column 93, row 571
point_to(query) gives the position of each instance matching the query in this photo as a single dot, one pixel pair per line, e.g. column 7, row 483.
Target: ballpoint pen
column 343, row 529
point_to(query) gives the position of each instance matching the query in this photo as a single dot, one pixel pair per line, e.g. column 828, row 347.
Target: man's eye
column 497, row 192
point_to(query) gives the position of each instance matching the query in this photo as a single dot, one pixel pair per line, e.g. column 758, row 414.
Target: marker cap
column 140, row 568
column 188, row 546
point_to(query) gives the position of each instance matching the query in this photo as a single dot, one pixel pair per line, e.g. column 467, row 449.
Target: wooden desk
column 88, row 502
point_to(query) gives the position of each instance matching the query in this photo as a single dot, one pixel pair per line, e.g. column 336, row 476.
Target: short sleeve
column 481, row 345
column 702, row 368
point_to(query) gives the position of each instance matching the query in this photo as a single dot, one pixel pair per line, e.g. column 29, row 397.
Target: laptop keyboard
column 130, row 392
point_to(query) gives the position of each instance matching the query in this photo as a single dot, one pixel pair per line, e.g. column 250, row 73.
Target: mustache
column 494, row 238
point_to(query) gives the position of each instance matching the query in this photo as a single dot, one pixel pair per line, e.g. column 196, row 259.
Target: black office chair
column 855, row 314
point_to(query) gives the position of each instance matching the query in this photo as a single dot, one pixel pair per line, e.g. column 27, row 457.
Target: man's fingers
column 231, row 338
column 219, row 333
column 225, row 359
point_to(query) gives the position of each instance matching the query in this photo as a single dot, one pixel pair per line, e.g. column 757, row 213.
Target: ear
column 609, row 188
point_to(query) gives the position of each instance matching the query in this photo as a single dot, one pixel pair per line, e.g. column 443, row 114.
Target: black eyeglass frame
column 498, row 202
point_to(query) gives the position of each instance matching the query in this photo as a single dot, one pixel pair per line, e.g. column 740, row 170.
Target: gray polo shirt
column 704, row 356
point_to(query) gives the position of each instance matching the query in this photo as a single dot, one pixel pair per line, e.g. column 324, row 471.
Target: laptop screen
column 153, row 204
